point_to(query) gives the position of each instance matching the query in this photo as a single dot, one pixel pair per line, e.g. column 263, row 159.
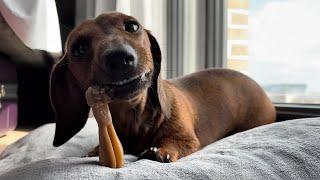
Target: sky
column 257, row 5
column 284, row 42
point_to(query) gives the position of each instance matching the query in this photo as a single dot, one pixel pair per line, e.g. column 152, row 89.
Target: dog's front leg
column 171, row 149
column 94, row 152
column 160, row 154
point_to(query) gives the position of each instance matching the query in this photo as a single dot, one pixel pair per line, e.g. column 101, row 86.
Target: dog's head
column 113, row 52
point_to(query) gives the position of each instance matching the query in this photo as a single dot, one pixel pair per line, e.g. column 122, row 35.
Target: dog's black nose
column 120, row 59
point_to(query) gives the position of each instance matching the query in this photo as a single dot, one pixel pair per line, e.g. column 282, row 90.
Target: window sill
column 296, row 111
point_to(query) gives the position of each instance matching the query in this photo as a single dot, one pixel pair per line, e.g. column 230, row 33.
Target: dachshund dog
column 155, row 119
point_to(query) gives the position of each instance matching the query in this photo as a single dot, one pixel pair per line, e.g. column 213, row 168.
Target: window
column 277, row 43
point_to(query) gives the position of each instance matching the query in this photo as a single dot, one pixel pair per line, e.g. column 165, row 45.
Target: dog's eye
column 131, row 26
column 80, row 50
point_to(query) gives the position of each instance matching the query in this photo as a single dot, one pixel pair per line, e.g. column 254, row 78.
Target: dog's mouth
column 133, row 80
column 127, row 87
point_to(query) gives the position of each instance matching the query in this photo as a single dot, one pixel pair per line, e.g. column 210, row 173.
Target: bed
column 283, row 150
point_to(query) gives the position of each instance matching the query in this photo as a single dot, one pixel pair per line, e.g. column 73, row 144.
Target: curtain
column 196, row 35
column 34, row 21
column 86, row 9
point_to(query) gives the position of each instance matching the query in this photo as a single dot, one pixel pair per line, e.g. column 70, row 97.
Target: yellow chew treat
column 110, row 148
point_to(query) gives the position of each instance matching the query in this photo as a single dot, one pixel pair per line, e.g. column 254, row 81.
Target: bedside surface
column 13, row 136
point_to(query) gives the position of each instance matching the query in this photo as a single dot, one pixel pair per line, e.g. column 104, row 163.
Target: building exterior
column 237, row 36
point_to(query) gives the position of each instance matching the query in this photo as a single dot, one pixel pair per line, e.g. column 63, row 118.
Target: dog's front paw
column 155, row 154
column 93, row 153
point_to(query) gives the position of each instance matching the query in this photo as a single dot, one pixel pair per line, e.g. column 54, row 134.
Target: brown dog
column 156, row 119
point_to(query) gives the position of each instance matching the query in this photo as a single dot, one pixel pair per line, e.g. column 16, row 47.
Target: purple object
column 8, row 96
column 8, row 117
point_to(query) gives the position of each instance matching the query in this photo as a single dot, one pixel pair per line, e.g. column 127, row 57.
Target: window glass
column 277, row 43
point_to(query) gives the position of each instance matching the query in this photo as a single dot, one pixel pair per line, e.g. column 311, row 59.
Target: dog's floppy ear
column 162, row 95
column 68, row 101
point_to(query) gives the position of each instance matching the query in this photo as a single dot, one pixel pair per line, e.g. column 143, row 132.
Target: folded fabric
column 34, row 21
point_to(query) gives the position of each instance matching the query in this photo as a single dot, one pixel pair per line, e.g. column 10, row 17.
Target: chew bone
column 110, row 148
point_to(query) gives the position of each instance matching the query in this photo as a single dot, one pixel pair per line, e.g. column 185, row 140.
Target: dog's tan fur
column 177, row 116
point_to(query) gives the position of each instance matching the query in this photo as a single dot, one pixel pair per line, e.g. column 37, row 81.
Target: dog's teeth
column 119, row 83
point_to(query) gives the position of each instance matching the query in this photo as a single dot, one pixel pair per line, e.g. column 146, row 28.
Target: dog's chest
column 136, row 129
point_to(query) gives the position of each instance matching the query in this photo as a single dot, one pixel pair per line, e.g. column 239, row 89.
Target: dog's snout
column 120, row 59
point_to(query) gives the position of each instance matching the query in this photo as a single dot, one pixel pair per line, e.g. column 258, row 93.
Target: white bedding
column 285, row 150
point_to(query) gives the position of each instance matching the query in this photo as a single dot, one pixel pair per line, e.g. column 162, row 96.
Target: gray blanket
column 286, row 150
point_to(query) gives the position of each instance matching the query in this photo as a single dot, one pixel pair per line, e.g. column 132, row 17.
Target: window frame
column 287, row 111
